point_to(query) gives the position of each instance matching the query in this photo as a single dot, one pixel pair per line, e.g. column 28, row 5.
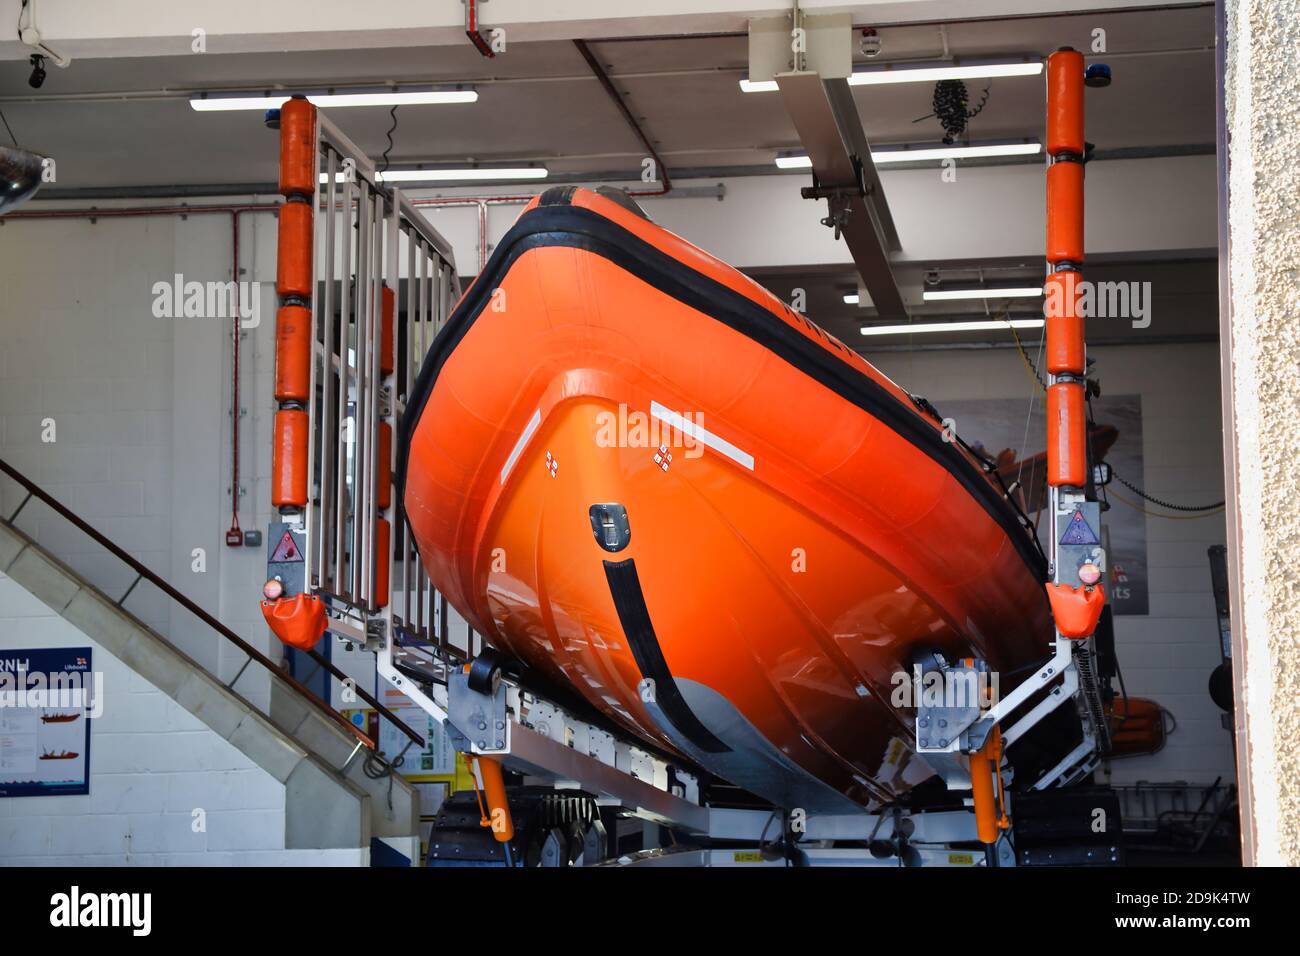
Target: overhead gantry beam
column 826, row 119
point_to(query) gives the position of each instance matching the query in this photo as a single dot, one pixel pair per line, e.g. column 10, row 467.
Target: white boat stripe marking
column 521, row 444
column 702, row 435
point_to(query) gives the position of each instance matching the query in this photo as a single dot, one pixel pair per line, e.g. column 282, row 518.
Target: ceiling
column 127, row 122
column 1183, row 302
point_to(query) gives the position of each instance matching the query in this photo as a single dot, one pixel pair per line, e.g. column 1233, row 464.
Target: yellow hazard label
column 748, row 856
column 961, row 859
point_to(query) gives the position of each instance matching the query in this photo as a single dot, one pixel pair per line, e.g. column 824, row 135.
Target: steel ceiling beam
column 826, row 119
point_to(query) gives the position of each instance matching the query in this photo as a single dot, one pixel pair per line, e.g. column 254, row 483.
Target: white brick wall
column 152, row 764
column 142, row 453
column 1168, row 654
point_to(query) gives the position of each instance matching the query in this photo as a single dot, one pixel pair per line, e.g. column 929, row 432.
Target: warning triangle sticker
column 1078, row 531
column 286, row 550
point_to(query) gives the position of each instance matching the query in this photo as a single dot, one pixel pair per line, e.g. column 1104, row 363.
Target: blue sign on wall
column 47, row 698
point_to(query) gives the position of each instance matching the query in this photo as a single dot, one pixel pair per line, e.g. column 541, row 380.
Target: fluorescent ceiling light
column 876, row 76
column 453, row 175
column 975, row 71
column 943, row 295
column 886, row 156
column 918, row 328
column 852, row 298
column 328, row 100
column 954, row 152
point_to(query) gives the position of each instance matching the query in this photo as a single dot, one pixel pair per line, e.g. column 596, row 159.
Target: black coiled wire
column 951, row 105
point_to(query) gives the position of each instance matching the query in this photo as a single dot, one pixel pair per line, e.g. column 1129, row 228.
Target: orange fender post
column 293, row 284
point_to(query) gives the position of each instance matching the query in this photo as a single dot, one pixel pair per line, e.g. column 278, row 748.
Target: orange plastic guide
column 1077, row 610
column 299, row 621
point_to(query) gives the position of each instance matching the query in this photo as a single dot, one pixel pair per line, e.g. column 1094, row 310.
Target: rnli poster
column 46, row 701
column 1004, row 431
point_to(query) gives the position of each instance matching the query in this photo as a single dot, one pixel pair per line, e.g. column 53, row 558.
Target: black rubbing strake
column 629, row 602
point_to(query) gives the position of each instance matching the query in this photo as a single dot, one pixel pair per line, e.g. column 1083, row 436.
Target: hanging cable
column 1164, row 504
column 392, row 114
column 1029, row 363
column 1155, row 514
column 7, row 127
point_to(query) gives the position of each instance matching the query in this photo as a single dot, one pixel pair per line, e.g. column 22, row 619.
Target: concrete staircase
column 330, row 801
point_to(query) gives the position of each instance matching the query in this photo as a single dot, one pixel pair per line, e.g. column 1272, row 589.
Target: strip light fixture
column 462, row 175
column 923, row 328
column 219, row 103
column 882, row 157
column 948, row 295
column 877, row 76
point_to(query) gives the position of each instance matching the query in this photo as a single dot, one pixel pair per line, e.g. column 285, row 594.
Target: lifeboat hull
column 634, row 470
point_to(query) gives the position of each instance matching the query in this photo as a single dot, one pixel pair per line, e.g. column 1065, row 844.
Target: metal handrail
column 34, row 490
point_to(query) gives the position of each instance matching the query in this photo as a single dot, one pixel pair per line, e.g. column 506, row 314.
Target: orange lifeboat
column 643, row 476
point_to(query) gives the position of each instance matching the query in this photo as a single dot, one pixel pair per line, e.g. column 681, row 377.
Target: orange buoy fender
column 1077, row 610
column 1065, row 340
column 1065, row 70
column 293, row 251
column 1067, row 459
column 1065, row 212
column 297, row 148
column 292, row 353
column 299, row 621
column 289, row 459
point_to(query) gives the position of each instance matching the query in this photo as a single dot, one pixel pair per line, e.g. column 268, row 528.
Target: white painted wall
column 141, row 412
column 1167, row 654
column 152, row 766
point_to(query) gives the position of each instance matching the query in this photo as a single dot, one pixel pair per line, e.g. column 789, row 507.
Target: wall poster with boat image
column 46, row 700
column 1008, row 433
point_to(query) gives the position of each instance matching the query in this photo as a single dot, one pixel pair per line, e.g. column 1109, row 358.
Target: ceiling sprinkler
column 870, row 42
